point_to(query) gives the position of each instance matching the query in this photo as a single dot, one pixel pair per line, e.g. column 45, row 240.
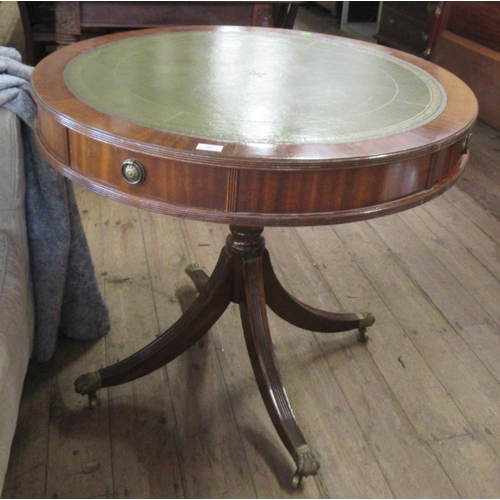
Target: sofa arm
column 16, row 299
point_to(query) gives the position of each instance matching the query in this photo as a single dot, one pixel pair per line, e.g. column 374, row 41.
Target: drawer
column 405, row 32
column 425, row 12
column 170, row 182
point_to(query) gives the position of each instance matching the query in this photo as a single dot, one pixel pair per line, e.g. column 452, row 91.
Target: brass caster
column 307, row 465
column 363, row 336
column 88, row 383
column 366, row 319
column 296, row 480
column 92, row 400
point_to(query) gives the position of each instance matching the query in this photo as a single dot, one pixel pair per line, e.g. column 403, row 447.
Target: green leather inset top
column 255, row 87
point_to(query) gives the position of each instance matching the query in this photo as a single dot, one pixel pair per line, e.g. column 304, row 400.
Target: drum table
column 252, row 127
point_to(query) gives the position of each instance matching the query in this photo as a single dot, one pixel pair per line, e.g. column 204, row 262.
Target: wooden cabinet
column 470, row 48
column 413, row 27
column 51, row 24
column 463, row 37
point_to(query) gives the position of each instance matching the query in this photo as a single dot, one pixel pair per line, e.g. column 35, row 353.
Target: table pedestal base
column 244, row 275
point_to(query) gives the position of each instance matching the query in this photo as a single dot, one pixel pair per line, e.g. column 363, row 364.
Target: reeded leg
column 192, row 325
column 244, row 275
column 260, row 348
column 309, row 318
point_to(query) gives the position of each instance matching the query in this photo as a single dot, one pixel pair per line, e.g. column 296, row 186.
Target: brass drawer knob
column 466, row 144
column 133, row 172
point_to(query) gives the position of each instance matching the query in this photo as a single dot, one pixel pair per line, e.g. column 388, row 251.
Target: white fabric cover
column 16, row 300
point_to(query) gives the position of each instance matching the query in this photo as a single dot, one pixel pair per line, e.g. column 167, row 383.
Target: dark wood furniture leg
column 265, row 366
column 186, row 331
column 244, row 275
column 309, row 318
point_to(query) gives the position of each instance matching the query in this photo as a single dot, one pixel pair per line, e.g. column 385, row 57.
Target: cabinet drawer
column 405, row 32
column 425, row 12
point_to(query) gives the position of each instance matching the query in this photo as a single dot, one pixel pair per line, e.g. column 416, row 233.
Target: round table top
column 262, row 87
column 248, row 101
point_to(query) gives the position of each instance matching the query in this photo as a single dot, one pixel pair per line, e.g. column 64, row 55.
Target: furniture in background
column 39, row 27
column 48, row 25
column 239, row 137
column 463, row 37
column 360, row 20
column 413, row 27
column 16, row 299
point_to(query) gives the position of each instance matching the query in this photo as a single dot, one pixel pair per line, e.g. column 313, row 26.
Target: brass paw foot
column 366, row 319
column 198, row 276
column 307, row 465
column 88, row 383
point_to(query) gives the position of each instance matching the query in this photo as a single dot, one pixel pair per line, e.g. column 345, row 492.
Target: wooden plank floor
column 413, row 413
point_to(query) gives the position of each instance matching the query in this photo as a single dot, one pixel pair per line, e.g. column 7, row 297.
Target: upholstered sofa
column 16, row 298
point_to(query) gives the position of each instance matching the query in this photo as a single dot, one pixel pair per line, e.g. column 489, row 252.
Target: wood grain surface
column 413, row 413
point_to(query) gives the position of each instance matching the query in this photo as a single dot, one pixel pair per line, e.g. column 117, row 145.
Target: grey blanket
column 68, row 300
